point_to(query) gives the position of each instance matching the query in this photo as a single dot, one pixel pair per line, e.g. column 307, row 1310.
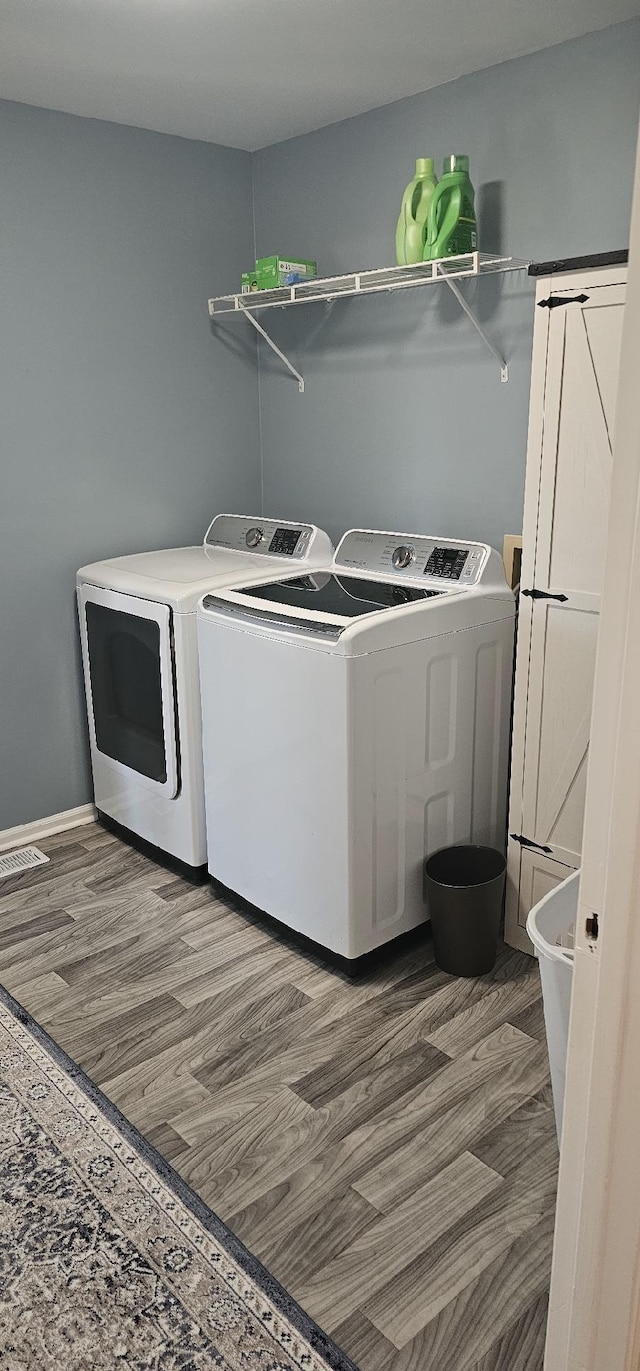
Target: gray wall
column 125, row 422
column 404, row 423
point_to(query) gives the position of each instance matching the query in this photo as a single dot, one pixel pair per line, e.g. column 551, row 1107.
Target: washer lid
column 345, row 597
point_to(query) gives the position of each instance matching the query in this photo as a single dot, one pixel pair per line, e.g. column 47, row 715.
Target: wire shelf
column 328, row 288
column 365, row 283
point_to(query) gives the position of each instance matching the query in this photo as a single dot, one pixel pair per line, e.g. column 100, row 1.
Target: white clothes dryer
column 367, row 713
column 139, row 649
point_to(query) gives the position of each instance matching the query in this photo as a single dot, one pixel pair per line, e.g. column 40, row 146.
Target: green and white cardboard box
column 272, row 272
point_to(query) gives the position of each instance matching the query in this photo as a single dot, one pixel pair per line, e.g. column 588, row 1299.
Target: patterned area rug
column 107, row 1258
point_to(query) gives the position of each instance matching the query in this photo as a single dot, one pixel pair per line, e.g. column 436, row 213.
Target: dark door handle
column 527, row 842
column 543, row 595
column 554, row 301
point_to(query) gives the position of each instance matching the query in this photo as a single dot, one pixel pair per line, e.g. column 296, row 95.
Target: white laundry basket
column 549, row 921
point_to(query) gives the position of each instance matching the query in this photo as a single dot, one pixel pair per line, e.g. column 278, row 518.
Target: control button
column 446, row 562
column 285, row 541
column 403, row 556
column 254, row 537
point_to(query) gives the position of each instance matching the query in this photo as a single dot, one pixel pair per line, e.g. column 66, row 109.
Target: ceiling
column 248, row 73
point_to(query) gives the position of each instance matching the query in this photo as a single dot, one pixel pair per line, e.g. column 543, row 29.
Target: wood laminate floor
column 386, row 1147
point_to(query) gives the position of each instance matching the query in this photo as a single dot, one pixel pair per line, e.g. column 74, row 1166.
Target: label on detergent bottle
column 465, row 235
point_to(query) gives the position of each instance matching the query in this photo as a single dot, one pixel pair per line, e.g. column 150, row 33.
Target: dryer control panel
column 408, row 557
column 271, row 537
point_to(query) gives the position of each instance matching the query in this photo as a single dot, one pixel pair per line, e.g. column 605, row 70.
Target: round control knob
column 254, row 537
column 403, row 556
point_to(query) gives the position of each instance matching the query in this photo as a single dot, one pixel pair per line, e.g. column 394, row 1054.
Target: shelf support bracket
column 504, row 370
column 274, row 346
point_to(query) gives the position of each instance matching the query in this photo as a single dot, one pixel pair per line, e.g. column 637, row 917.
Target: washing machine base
column 351, row 966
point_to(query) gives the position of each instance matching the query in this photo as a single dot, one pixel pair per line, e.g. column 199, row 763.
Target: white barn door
column 563, row 567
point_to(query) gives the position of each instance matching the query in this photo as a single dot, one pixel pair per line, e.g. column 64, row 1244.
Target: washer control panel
column 267, row 536
column 285, row 541
column 443, row 560
column 447, row 562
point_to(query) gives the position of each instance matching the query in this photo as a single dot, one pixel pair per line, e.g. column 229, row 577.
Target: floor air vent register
column 13, row 862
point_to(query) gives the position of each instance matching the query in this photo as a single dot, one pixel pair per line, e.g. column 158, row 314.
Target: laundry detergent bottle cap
column 456, row 162
column 411, row 229
column 451, row 221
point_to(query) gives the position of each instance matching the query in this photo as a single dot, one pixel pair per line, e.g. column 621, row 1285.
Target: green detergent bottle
column 412, row 223
column 451, row 222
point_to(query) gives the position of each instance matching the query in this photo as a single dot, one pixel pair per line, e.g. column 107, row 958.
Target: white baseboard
column 43, row 828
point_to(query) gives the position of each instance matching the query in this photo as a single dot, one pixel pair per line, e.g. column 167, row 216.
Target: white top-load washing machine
column 365, row 720
column 139, row 649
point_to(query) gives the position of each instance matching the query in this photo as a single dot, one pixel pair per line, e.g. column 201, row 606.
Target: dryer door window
column 130, row 691
column 126, row 684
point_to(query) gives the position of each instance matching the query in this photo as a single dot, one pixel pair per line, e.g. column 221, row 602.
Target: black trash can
column 464, row 888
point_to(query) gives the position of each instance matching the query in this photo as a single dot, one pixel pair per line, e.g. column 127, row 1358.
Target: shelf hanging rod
column 274, row 346
column 504, row 370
